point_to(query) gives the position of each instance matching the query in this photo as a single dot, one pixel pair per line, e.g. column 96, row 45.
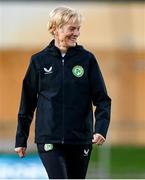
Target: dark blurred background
column 115, row 32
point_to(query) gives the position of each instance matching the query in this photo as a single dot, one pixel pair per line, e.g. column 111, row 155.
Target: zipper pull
column 63, row 62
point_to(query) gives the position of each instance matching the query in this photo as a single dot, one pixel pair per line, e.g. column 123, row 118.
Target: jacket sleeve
column 27, row 105
column 100, row 99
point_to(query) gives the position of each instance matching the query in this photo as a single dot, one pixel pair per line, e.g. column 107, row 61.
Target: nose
column 77, row 32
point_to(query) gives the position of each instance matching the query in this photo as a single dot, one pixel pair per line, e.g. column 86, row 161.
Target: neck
column 60, row 46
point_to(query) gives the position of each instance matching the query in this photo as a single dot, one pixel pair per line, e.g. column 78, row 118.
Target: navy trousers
column 64, row 161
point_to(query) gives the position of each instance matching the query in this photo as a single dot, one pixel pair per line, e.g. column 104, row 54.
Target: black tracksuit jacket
column 62, row 99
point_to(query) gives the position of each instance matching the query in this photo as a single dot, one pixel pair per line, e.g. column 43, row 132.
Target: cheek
column 61, row 35
column 65, row 37
column 69, row 34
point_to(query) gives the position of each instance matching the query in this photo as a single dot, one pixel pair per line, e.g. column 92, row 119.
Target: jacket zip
column 63, row 101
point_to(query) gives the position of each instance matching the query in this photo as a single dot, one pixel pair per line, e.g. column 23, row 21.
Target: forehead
column 72, row 24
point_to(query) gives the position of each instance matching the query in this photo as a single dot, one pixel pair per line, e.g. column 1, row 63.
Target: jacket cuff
column 20, row 142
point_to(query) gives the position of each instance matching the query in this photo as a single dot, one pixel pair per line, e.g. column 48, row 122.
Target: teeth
column 73, row 39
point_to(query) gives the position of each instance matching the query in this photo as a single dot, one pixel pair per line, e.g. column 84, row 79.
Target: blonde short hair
column 62, row 15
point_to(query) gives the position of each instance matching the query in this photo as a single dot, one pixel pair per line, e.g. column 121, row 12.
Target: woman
column 62, row 81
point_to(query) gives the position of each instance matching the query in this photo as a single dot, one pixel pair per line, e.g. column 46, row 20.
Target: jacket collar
column 51, row 48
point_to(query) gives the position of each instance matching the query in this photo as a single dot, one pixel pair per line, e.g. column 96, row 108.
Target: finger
column 93, row 141
column 95, row 138
column 99, row 135
column 21, row 152
column 96, row 141
column 100, row 141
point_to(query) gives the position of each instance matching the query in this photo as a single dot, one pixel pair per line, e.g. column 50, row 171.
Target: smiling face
column 64, row 24
column 66, row 36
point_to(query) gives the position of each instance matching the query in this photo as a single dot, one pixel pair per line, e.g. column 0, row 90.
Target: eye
column 78, row 28
column 72, row 28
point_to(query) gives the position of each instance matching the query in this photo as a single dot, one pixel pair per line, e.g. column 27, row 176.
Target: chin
column 72, row 44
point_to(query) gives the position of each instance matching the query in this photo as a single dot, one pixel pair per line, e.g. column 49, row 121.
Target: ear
column 55, row 30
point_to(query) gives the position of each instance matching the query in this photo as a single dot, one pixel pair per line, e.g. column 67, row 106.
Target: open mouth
column 73, row 39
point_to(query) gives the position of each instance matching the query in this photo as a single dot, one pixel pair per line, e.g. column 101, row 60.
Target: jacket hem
column 62, row 142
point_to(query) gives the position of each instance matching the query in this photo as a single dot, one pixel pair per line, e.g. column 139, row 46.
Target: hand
column 98, row 139
column 21, row 151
